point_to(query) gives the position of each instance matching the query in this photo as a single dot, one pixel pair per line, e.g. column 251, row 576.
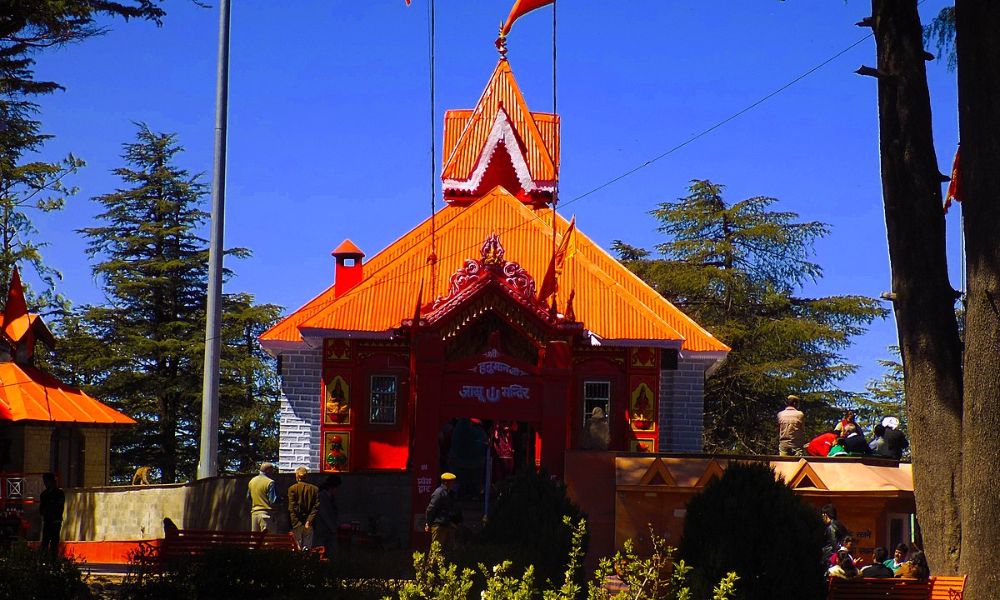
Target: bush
column 751, row 523
column 532, row 523
column 251, row 575
column 27, row 574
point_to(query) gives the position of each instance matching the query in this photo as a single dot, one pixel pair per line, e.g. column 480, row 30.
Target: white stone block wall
column 682, row 406
column 299, row 412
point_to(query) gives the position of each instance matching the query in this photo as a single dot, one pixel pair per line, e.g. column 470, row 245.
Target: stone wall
column 96, row 455
column 220, row 503
column 299, row 412
column 37, row 448
column 682, row 405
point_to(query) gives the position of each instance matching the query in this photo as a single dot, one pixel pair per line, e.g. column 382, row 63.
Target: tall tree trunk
column 978, row 47
column 924, row 299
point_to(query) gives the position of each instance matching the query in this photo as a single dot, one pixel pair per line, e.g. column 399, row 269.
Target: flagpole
column 208, row 459
column 555, row 190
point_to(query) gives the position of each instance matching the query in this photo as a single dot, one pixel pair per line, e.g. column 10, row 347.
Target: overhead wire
column 465, row 250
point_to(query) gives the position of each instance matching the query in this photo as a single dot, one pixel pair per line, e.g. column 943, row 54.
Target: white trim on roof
column 502, row 131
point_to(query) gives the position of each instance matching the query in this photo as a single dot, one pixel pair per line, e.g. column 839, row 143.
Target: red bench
column 194, row 542
column 870, row 588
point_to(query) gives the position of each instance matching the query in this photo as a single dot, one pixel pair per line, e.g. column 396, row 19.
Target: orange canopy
column 28, row 394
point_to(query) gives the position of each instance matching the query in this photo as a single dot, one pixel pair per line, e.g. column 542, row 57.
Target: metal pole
column 208, row 461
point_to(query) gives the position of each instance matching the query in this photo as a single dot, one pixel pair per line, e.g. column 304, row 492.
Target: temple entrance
column 483, row 453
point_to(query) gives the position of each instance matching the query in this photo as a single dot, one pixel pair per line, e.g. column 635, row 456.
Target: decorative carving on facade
column 491, row 261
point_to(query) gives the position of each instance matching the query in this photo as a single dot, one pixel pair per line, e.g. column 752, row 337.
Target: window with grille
column 596, row 394
column 383, row 400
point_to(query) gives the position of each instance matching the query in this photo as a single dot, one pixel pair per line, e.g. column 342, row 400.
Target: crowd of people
column 846, row 562
column 847, row 438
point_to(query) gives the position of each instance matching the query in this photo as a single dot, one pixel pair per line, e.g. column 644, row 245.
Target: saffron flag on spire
column 15, row 312
column 565, row 251
column 521, row 8
column 953, row 187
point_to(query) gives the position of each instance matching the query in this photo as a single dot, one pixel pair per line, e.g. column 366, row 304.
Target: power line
column 647, row 163
column 724, row 121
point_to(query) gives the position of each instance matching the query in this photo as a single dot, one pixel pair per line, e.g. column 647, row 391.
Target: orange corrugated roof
column 610, row 301
column 28, row 394
column 466, row 132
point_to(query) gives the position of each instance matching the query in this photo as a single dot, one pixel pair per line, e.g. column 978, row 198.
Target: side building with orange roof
column 45, row 425
column 444, row 343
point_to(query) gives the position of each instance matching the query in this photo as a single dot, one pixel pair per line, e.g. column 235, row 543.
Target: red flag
column 521, row 8
column 407, row 2
column 565, row 251
column 953, row 187
column 15, row 311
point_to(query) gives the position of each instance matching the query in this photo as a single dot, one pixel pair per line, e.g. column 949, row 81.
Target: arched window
column 66, row 456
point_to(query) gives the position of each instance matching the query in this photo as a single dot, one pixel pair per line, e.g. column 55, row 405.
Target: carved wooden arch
column 713, row 470
column 805, row 476
column 658, row 471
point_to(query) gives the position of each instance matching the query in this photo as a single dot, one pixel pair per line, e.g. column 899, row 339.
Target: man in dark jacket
column 442, row 513
column 836, row 532
column 327, row 516
column 50, row 505
column 877, row 568
column 303, row 506
column 895, row 440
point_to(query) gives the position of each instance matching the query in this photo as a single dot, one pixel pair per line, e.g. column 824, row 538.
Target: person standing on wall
column 791, row 435
column 303, row 506
column 50, row 505
column 442, row 513
column 263, row 497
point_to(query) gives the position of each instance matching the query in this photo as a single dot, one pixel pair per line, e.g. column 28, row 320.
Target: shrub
column 532, row 522
column 29, row 575
column 251, row 575
column 751, row 523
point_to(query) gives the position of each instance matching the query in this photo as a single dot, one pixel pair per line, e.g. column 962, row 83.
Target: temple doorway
column 483, row 453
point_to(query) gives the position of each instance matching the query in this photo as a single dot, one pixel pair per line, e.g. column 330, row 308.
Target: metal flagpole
column 555, row 190
column 208, row 461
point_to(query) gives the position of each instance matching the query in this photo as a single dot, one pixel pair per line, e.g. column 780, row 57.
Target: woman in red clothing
column 821, row 444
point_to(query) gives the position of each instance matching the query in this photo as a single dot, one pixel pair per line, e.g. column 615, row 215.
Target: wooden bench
column 871, row 588
column 194, row 542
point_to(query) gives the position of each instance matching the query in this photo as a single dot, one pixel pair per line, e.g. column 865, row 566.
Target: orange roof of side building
column 612, row 302
column 29, row 394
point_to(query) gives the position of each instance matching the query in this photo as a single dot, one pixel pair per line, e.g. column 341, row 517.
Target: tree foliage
column 143, row 349
column 28, row 183
column 737, row 269
column 750, row 523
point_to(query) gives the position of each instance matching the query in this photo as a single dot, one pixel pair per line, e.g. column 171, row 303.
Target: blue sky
column 330, row 125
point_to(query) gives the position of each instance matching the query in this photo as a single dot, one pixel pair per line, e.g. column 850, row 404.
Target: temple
column 45, row 425
column 456, row 323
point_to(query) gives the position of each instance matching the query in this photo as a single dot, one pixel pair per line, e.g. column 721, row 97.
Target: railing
column 18, row 490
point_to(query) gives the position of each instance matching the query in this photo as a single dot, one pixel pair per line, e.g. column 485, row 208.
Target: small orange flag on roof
column 521, row 8
column 565, row 251
column 953, row 187
column 15, row 311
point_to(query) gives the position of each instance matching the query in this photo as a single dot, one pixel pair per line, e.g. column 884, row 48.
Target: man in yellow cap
column 442, row 514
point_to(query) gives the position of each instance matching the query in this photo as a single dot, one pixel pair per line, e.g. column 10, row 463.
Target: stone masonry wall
column 123, row 513
column 299, row 412
column 682, row 406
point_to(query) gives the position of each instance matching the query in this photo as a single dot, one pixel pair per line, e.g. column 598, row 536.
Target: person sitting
column 878, row 568
column 843, row 423
column 898, row 557
column 837, row 449
column 844, row 568
column 895, row 440
column 821, row 444
column 916, row 567
column 854, row 441
column 850, row 546
column 878, row 441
